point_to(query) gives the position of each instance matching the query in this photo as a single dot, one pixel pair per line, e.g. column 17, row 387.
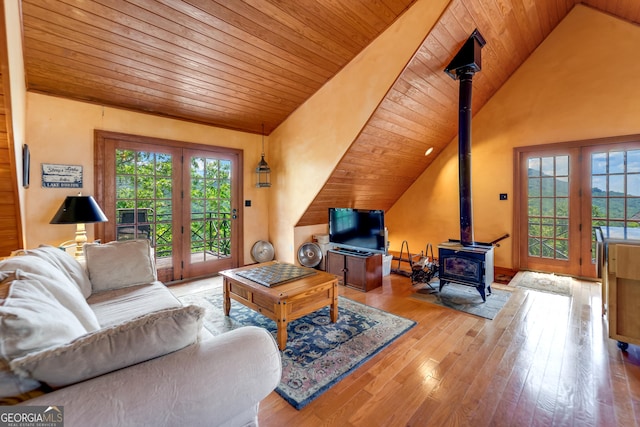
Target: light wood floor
column 545, row 360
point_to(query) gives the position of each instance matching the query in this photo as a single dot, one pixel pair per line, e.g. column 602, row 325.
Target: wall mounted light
column 79, row 210
column 429, row 151
column 263, row 171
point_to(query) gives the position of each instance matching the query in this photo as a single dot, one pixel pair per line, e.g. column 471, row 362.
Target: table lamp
column 79, row 210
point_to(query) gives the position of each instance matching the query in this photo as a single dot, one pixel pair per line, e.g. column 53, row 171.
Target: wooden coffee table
column 282, row 303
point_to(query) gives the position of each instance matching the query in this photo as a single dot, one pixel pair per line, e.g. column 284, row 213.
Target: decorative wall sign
column 61, row 176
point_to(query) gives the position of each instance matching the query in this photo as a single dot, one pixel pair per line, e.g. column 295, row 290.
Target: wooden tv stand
column 359, row 270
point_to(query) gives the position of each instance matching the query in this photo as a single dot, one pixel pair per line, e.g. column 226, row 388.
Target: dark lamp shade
column 79, row 210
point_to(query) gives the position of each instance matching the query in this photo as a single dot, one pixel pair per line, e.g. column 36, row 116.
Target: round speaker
column 309, row 255
column 262, row 251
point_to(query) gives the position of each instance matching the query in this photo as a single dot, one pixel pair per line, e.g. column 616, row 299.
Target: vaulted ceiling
column 239, row 64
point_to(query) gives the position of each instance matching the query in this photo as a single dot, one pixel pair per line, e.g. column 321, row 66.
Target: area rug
column 465, row 299
column 319, row 353
column 543, row 282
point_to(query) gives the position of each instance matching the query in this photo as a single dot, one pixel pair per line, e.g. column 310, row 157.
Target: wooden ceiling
column 228, row 63
column 240, row 63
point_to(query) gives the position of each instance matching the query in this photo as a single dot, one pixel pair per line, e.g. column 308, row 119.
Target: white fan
column 262, row 251
column 309, row 255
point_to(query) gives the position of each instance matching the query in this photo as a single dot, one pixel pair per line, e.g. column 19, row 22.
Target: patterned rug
column 319, row 353
column 543, row 282
column 465, row 298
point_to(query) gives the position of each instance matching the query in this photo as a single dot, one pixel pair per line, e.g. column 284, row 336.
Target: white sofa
column 114, row 347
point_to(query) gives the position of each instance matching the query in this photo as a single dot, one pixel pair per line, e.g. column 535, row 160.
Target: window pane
column 616, row 162
column 548, row 229
column 616, row 208
column 197, row 167
column 616, row 185
column 124, row 187
column 562, row 207
column 533, row 167
column 534, row 247
column 599, row 208
column 533, row 187
column 548, row 166
column 212, row 168
column 534, row 227
column 197, row 188
column 562, row 249
column 633, row 185
column 562, row 228
column 562, row 165
column 125, row 162
column 548, row 206
column 548, row 187
column 145, row 164
column 633, row 210
column 598, row 185
column 562, row 187
column 163, row 188
column 548, row 249
column 633, row 161
column 145, row 188
column 599, row 163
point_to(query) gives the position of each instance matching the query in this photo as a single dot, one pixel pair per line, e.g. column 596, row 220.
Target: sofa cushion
column 57, row 283
column 67, row 264
column 120, row 264
column 115, row 347
column 122, row 304
column 32, row 319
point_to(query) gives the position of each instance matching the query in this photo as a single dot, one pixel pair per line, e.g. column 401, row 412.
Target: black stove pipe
column 464, row 65
column 464, row 160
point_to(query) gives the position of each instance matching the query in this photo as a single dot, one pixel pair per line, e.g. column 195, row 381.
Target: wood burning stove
column 464, row 261
column 466, row 265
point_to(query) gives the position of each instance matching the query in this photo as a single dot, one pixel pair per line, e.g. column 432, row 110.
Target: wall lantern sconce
column 263, row 171
column 79, row 210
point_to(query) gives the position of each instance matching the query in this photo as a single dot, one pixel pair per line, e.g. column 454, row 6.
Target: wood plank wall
column 10, row 223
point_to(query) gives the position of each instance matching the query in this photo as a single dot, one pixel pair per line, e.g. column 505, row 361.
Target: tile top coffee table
column 284, row 301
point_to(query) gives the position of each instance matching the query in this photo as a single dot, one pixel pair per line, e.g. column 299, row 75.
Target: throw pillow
column 120, row 264
column 59, row 285
column 32, row 319
column 67, row 264
column 115, row 347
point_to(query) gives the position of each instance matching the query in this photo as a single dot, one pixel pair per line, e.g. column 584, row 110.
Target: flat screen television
column 357, row 229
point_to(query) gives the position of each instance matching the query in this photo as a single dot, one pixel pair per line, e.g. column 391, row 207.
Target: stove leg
column 481, row 290
column 442, row 283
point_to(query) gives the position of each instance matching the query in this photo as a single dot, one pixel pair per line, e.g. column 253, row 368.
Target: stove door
column 460, row 266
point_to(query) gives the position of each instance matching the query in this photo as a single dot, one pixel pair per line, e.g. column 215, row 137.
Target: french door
column 565, row 190
column 210, row 211
column 550, row 211
column 182, row 197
